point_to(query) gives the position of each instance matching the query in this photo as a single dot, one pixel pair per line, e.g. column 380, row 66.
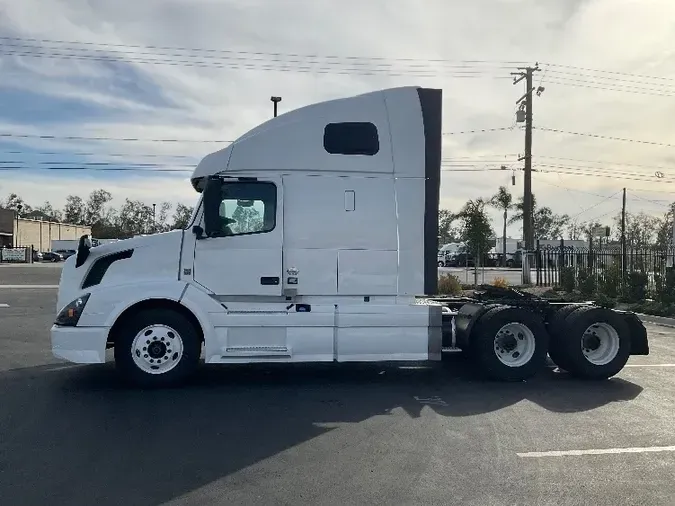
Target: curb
column 657, row 320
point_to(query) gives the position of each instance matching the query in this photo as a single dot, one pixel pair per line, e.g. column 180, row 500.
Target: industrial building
column 23, row 232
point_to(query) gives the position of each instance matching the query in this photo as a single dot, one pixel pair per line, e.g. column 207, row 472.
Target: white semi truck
column 315, row 240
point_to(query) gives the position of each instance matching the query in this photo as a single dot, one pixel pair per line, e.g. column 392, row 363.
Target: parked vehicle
column 312, row 241
column 52, row 256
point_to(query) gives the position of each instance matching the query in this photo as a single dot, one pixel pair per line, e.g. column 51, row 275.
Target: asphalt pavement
column 46, row 273
column 348, row 434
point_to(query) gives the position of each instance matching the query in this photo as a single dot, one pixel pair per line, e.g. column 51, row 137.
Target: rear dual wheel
column 509, row 343
column 589, row 342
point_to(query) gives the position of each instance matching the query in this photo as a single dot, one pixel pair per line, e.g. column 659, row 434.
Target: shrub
column 637, row 286
column 500, row 282
column 605, row 301
column 586, row 282
column 610, row 284
column 449, row 285
column 567, row 281
column 665, row 286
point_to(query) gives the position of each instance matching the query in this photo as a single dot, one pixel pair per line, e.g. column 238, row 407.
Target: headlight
column 70, row 315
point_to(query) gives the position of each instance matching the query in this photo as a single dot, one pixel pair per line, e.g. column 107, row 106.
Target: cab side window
column 248, row 208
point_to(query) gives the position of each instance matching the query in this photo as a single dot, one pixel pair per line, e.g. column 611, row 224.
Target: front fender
column 98, row 312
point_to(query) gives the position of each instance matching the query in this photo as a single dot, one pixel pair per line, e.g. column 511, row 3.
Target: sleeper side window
column 351, row 138
column 248, row 208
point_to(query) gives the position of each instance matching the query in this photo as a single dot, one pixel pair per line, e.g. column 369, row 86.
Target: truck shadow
column 75, row 435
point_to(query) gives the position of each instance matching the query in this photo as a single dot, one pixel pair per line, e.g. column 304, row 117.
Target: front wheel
column 157, row 348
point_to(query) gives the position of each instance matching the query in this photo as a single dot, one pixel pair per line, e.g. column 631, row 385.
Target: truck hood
column 153, row 257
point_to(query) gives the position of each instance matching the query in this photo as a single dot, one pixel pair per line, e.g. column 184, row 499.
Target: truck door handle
column 268, row 280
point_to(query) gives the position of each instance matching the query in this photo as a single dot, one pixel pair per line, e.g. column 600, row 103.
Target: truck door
column 248, row 259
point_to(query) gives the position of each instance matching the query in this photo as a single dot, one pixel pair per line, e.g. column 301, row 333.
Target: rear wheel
column 157, row 348
column 558, row 329
column 509, row 343
column 597, row 344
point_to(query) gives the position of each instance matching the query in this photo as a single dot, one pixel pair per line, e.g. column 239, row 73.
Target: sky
column 184, row 76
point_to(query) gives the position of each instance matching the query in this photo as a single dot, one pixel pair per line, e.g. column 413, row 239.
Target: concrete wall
column 6, row 227
column 40, row 234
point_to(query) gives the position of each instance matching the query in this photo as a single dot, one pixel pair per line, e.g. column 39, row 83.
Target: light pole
column 154, row 218
column 275, row 101
column 18, row 215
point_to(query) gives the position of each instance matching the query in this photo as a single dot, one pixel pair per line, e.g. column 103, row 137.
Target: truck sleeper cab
column 314, row 240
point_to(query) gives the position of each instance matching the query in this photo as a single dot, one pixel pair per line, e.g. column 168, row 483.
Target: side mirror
column 82, row 251
column 212, row 197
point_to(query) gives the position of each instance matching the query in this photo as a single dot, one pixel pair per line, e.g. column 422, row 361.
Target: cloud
column 140, row 98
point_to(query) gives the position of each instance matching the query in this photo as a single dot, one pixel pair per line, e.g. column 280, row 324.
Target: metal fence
column 550, row 264
column 15, row 255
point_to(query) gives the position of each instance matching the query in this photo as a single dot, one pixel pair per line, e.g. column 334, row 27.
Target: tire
column 176, row 362
column 597, row 344
column 440, row 264
column 558, row 330
column 494, row 337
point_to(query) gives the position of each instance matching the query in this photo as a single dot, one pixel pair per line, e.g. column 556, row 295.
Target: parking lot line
column 649, row 365
column 566, row 453
column 14, row 287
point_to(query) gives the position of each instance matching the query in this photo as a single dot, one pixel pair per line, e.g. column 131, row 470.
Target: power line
column 605, row 162
column 610, row 72
column 610, row 176
column 573, row 189
column 610, row 79
column 260, row 53
column 103, row 169
column 101, row 138
column 606, row 137
column 595, row 205
column 84, row 153
column 139, row 139
column 658, row 203
column 584, row 84
column 289, row 66
column 481, row 130
column 600, row 170
column 227, row 58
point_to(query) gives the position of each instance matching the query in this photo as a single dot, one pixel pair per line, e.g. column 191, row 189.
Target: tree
column 73, row 211
column 161, row 224
column 135, row 218
column 247, row 219
column 546, row 224
column 14, row 202
column 575, row 229
column 95, row 207
column 476, row 227
column 181, row 216
column 641, row 230
column 503, row 200
column 446, row 232
column 45, row 212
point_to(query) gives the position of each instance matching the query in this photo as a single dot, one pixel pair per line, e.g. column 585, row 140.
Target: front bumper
column 81, row 345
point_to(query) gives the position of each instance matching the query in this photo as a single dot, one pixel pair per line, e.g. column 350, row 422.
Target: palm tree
column 503, row 200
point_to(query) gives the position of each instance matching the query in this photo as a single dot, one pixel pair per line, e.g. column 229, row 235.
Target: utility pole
column 275, row 101
column 624, row 256
column 526, row 102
